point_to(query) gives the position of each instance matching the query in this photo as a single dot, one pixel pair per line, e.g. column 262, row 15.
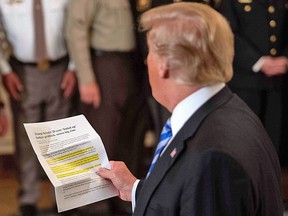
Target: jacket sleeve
column 80, row 17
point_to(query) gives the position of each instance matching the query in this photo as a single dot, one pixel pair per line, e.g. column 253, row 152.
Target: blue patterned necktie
column 166, row 135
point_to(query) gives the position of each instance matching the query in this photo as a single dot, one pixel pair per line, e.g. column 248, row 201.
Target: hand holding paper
column 71, row 152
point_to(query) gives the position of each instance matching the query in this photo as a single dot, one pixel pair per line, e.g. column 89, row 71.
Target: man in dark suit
column 261, row 51
column 219, row 160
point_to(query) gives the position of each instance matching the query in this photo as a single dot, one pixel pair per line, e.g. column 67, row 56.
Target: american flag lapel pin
column 173, row 153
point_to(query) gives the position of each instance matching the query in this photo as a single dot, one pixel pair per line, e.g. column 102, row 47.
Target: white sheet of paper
column 70, row 152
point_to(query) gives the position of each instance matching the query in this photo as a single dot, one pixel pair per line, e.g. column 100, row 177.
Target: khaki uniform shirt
column 100, row 24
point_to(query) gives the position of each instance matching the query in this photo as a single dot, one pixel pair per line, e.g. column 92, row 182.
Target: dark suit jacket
column 220, row 163
column 250, row 21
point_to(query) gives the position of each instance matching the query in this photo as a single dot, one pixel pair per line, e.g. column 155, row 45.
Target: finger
column 14, row 93
column 85, row 99
column 95, row 104
column 63, row 84
column 68, row 91
column 17, row 83
column 19, row 86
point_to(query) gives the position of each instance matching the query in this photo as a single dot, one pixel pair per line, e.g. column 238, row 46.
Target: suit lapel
column 176, row 147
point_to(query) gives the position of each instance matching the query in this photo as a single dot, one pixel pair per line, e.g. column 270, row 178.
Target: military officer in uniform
column 260, row 62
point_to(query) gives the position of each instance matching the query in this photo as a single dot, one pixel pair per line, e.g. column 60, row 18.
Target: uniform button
column 247, row 8
column 273, row 51
column 272, row 23
column 271, row 9
column 273, row 38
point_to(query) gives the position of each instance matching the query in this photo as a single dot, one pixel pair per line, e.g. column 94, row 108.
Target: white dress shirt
column 181, row 113
column 19, row 26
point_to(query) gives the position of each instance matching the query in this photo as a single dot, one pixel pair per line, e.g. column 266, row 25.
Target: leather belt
column 97, row 52
column 42, row 65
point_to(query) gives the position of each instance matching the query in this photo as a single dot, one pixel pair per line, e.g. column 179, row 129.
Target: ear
column 164, row 69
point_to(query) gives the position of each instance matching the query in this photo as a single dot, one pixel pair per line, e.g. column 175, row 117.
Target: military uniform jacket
column 260, row 28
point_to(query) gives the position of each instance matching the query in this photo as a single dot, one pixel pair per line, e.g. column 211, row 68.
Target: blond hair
column 196, row 41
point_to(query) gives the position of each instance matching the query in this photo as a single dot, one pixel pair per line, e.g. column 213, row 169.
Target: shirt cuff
column 257, row 66
column 134, row 194
column 71, row 66
column 4, row 67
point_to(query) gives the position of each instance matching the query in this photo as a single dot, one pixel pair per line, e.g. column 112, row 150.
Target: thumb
column 20, row 87
column 64, row 83
column 18, row 84
column 104, row 173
